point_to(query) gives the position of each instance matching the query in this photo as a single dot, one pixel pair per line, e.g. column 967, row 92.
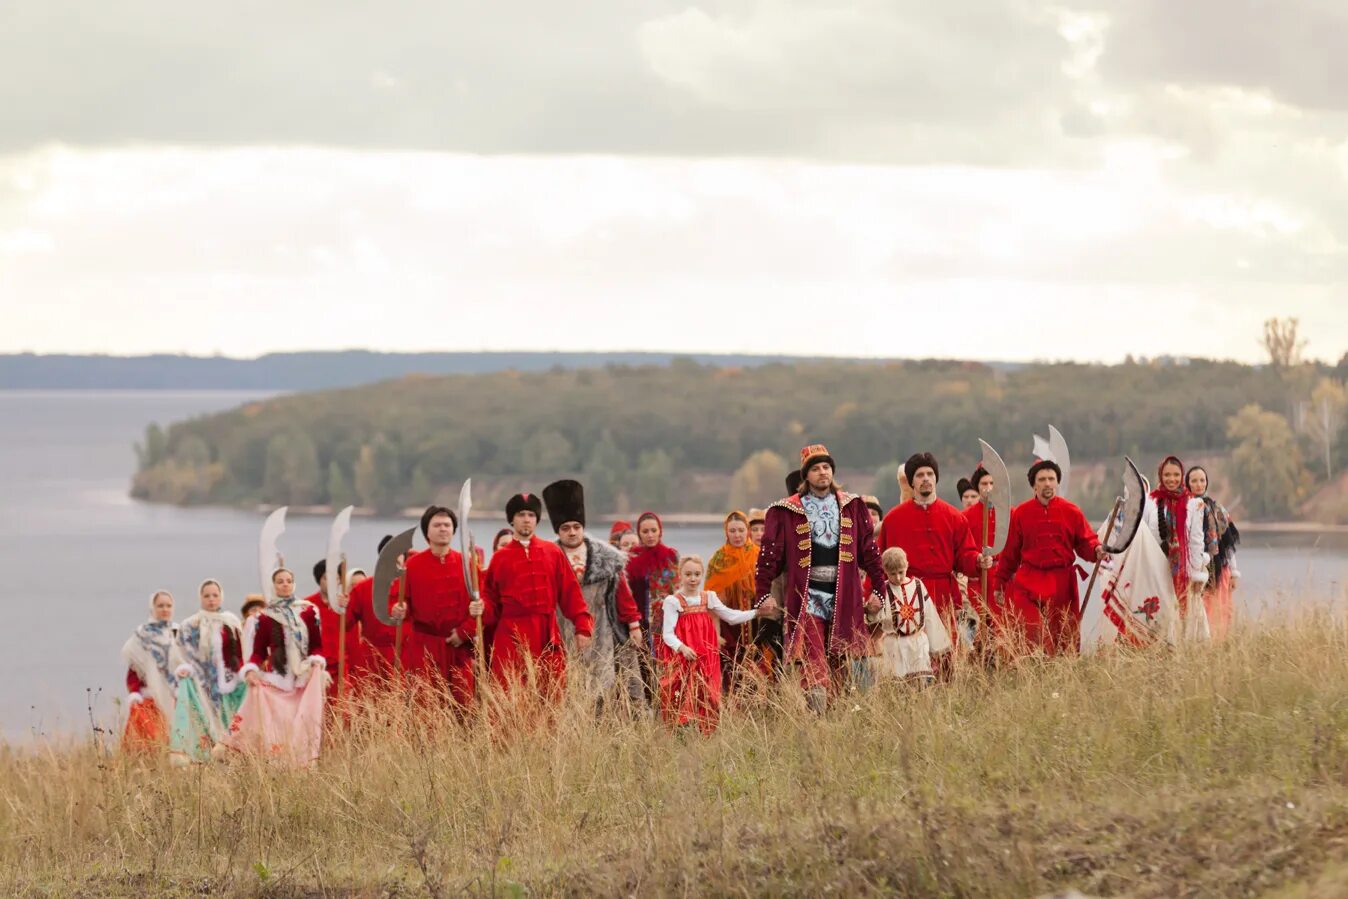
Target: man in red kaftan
column 935, row 535
column 377, row 639
column 436, row 601
column 329, row 622
column 1038, row 566
column 528, row 581
column 983, row 483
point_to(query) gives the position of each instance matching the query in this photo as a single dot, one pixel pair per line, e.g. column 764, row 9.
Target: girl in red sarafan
column 690, row 680
column 152, row 657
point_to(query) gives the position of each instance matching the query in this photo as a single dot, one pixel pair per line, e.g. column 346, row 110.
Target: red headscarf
column 1173, row 508
column 648, row 561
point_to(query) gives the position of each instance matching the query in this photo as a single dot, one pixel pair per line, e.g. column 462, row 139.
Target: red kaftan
column 437, row 606
column 523, row 590
column 938, row 542
column 330, row 622
column 974, row 516
column 1038, row 567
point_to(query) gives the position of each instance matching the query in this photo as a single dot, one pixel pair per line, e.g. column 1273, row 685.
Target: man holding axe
column 436, row 601
column 1038, row 565
column 528, row 583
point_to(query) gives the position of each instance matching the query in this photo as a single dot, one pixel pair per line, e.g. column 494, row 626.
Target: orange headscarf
column 730, row 575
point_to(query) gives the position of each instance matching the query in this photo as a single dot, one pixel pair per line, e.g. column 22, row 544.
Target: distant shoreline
column 705, row 518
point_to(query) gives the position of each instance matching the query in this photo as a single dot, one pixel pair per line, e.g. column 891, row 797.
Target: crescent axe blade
column 386, row 571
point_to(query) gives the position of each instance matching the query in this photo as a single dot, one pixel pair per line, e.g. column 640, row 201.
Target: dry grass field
column 1213, row 771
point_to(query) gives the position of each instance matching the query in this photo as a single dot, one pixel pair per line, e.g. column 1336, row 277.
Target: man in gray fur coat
column 600, row 569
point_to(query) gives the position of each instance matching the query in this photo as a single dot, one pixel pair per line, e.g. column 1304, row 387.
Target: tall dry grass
column 1216, row 770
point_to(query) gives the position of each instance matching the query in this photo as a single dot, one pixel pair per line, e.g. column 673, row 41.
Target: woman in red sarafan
column 151, row 656
column 690, row 676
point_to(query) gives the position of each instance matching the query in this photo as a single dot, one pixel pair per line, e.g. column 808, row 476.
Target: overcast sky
column 975, row 178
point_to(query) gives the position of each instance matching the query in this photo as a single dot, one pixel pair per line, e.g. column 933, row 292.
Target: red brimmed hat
column 812, row 455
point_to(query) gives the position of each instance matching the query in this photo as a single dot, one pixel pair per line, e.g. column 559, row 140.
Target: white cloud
column 250, row 251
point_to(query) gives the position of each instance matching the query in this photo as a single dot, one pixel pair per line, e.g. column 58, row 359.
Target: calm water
column 84, row 557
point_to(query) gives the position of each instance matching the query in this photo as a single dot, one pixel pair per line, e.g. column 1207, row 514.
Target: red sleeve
column 133, row 681
column 261, row 641
column 1009, row 560
column 1084, row 538
column 572, row 600
column 627, row 604
column 771, row 552
column 315, row 632
column 231, row 645
column 870, row 552
column 966, row 548
column 491, row 590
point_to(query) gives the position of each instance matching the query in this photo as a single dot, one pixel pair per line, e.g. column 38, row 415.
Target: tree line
column 692, row 437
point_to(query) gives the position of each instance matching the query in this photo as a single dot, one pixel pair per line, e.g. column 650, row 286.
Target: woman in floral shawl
column 210, row 690
column 730, row 575
column 282, row 713
column 1220, row 539
column 151, row 659
column 652, row 574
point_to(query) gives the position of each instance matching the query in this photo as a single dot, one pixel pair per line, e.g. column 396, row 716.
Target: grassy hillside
column 1216, row 771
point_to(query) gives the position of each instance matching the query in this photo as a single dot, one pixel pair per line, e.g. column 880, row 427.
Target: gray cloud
column 874, row 79
column 1296, row 50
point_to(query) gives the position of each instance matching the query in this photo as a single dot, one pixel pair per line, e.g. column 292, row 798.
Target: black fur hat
column 921, row 460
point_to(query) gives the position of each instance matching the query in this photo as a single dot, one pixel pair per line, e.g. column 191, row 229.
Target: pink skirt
column 280, row 724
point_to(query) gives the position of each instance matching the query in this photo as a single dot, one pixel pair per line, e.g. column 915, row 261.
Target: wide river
column 83, row 557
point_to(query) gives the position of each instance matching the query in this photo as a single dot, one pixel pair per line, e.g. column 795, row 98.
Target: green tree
column 292, row 473
column 654, row 478
column 1325, row 415
column 885, row 485
column 1266, row 465
column 377, row 475
column 340, row 494
column 758, row 480
column 547, row 452
column 154, row 449
column 421, row 489
column 192, row 452
column 604, row 476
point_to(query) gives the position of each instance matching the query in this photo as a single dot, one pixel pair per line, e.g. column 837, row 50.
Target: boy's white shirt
column 912, row 654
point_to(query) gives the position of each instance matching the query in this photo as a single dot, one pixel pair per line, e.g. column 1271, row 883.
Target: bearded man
column 822, row 542
column 599, row 568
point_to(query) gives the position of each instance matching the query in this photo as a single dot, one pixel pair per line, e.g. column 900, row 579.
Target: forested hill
column 302, row 371
column 689, row 437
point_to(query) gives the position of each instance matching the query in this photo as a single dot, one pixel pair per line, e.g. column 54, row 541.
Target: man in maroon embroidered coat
column 437, row 604
column 528, row 581
column 1038, row 565
column 935, row 535
column 821, row 541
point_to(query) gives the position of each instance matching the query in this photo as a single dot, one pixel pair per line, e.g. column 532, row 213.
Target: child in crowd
column 905, row 624
column 690, row 679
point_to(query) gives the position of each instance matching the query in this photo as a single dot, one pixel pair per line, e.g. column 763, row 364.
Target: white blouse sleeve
column 671, row 619
column 1151, row 517
column 727, row 614
column 1198, row 557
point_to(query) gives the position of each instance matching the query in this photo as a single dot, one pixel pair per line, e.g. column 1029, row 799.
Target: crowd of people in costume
column 822, row 587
